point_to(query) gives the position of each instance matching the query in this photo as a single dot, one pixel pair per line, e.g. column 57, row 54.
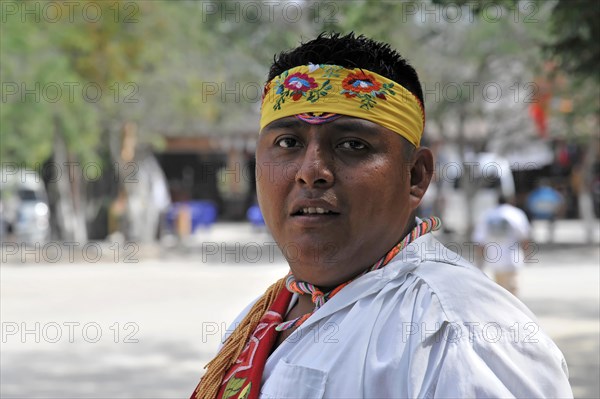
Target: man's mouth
column 313, row 211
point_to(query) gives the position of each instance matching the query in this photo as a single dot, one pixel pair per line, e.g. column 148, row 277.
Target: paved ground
column 77, row 329
column 563, row 291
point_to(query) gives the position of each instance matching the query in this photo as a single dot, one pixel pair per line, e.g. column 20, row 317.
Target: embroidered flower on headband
column 296, row 86
column 362, row 82
column 366, row 88
column 299, row 84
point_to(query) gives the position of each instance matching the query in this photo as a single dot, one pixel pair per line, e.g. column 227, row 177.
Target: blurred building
column 214, row 168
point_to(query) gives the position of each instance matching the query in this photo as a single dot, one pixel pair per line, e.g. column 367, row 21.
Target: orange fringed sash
column 242, row 380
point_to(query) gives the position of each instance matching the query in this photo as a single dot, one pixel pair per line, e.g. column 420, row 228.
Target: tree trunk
column 584, row 197
column 144, row 185
column 68, row 194
column 468, row 185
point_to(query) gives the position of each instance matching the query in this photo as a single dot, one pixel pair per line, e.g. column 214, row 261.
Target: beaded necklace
column 319, row 298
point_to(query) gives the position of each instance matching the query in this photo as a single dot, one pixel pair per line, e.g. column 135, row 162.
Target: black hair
column 351, row 51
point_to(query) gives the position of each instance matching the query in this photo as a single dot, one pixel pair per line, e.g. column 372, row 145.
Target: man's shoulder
column 465, row 293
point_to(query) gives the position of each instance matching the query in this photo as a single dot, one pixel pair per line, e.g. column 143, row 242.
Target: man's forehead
column 341, row 122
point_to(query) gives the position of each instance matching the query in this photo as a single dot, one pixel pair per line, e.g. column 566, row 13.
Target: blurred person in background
column 373, row 306
column 502, row 236
column 546, row 203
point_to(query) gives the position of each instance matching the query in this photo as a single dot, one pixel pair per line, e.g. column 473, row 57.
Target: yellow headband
column 353, row 92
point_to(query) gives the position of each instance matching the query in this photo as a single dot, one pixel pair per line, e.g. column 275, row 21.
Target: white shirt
column 427, row 325
column 501, row 231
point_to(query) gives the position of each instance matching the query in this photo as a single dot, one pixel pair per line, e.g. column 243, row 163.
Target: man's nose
column 316, row 168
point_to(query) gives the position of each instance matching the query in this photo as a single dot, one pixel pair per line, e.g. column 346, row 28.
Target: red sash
column 242, row 380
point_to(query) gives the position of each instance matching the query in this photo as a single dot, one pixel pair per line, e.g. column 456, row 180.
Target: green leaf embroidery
column 233, row 387
column 331, row 70
column 245, row 392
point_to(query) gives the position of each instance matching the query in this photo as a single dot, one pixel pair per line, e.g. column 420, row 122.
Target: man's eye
column 287, row 142
column 352, row 145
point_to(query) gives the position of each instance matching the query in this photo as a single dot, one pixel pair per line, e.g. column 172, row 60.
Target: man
column 373, row 306
column 502, row 236
column 546, row 203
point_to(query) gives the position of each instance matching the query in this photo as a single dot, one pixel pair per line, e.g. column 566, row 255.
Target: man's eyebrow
column 284, row 123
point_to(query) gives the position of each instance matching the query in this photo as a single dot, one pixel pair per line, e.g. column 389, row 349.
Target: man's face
column 336, row 196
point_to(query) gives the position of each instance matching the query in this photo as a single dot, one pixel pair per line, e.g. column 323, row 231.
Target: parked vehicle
column 25, row 215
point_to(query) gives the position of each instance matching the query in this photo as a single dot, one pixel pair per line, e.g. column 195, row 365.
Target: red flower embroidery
column 361, row 82
column 299, row 83
column 366, row 88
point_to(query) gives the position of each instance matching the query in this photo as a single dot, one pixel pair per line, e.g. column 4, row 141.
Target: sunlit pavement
column 144, row 330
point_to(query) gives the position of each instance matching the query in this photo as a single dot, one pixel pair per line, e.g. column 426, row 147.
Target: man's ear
column 421, row 173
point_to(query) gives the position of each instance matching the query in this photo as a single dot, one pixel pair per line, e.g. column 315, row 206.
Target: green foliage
column 572, row 31
column 576, row 31
column 35, row 96
column 63, row 72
